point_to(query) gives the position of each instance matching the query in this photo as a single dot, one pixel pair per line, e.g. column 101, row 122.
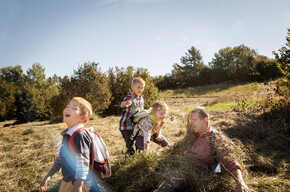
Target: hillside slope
column 27, row 151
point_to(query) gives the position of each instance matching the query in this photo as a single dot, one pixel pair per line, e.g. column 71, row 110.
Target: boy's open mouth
column 67, row 115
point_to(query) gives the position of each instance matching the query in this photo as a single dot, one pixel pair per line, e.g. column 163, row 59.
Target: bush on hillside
column 11, row 80
column 26, row 97
column 7, row 100
column 88, row 82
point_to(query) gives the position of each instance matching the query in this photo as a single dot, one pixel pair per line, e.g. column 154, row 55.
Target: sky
column 62, row 35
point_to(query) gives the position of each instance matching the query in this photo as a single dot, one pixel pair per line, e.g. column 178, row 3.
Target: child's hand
column 43, row 185
column 126, row 103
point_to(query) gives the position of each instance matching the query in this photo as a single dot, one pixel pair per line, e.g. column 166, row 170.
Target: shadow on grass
column 267, row 140
column 145, row 171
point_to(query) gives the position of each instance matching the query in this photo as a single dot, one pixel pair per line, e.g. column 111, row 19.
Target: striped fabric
column 82, row 166
column 146, row 126
column 147, row 129
column 73, row 166
column 127, row 113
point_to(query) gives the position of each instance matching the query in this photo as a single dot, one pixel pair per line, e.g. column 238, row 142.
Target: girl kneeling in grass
column 149, row 125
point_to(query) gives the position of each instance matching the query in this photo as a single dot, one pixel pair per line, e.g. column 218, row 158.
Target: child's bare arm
column 54, row 169
column 146, row 145
column 46, row 179
column 158, row 134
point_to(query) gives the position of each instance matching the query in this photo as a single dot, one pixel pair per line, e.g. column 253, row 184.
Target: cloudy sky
column 63, row 34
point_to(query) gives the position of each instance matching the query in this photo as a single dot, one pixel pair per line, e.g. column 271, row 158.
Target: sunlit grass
column 212, row 91
column 27, row 151
column 228, row 106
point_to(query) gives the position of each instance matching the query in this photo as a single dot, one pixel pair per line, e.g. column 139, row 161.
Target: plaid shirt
column 201, row 149
column 147, row 129
column 137, row 104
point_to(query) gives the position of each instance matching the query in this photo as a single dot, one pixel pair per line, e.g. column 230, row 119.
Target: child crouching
column 149, row 125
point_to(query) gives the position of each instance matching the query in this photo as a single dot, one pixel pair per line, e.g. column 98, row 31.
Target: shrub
column 88, row 82
column 120, row 85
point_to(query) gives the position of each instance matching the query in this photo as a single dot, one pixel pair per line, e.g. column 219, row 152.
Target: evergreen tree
column 188, row 72
column 283, row 58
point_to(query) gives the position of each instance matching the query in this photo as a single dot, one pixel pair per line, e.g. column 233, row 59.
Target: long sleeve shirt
column 74, row 165
column 137, row 104
column 147, row 128
column 201, row 149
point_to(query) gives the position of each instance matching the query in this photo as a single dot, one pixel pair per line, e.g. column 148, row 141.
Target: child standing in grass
column 74, row 166
column 149, row 127
column 131, row 105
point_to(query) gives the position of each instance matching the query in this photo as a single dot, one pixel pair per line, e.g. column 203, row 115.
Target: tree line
column 31, row 96
column 237, row 64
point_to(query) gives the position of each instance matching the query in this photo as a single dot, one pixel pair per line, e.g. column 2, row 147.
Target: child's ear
column 84, row 118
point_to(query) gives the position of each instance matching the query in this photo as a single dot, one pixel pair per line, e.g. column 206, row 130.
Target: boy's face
column 138, row 88
column 160, row 115
column 72, row 114
column 198, row 124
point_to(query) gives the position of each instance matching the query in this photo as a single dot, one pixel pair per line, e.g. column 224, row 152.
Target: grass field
column 27, row 151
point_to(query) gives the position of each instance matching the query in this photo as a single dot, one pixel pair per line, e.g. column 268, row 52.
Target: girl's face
column 159, row 115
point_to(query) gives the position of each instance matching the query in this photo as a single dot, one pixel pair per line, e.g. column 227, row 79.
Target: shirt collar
column 135, row 95
column 207, row 133
column 74, row 128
